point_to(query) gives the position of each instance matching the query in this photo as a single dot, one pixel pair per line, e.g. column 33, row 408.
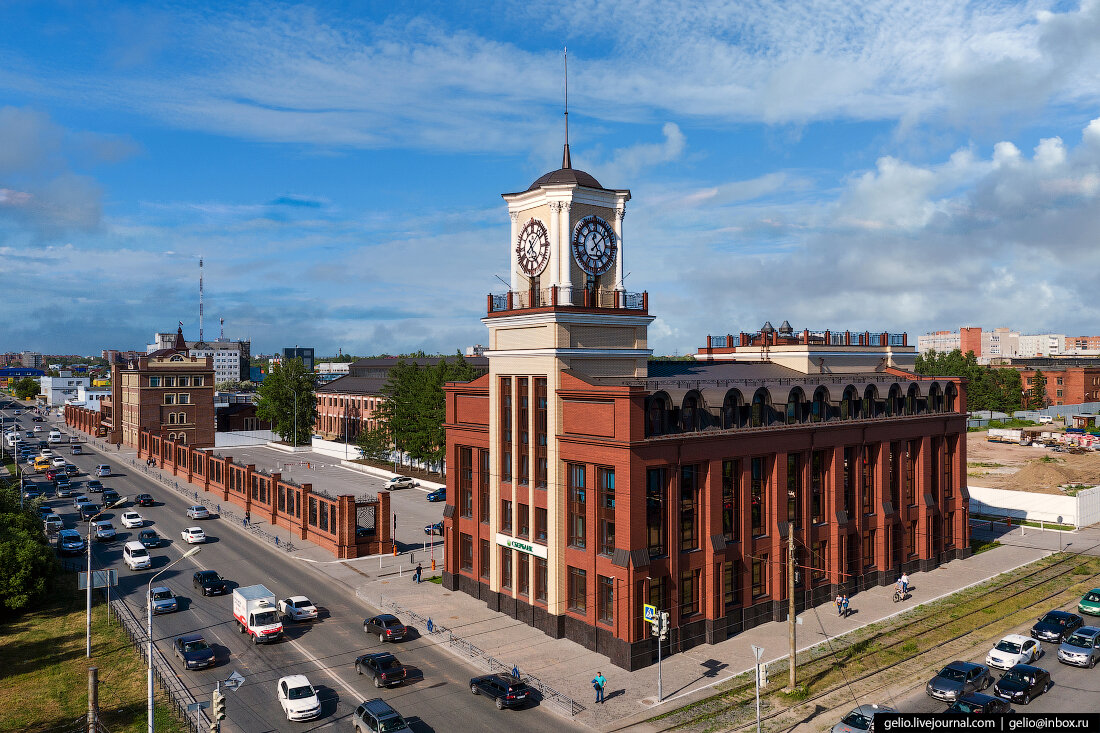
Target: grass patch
column 1026, row 522
column 1074, row 489
column 984, row 464
column 46, row 673
column 1050, row 459
column 437, row 579
column 979, row 546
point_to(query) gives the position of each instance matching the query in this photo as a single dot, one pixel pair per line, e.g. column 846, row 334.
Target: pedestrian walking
column 844, row 607
column 904, row 580
column 247, row 518
column 598, row 683
column 418, row 573
column 839, row 604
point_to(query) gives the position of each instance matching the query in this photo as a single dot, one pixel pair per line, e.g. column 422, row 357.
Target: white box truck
column 256, row 614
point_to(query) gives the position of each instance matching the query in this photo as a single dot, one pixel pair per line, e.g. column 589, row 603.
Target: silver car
column 957, row 679
column 861, row 719
column 1081, row 648
column 163, row 600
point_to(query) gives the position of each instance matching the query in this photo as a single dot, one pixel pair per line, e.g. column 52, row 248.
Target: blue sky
column 889, row 166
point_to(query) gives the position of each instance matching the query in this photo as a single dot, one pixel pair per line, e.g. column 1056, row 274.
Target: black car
column 209, row 582
column 383, row 667
column 111, row 497
column 143, row 500
column 193, row 651
column 1022, row 682
column 506, row 690
column 149, row 537
column 94, row 486
column 977, row 702
column 1055, row 626
column 87, row 511
column 387, row 626
column 71, row 470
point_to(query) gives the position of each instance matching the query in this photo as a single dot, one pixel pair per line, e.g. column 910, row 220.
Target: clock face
column 533, row 247
column 594, row 245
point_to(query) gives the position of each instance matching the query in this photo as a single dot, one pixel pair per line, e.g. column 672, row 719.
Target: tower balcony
column 557, row 298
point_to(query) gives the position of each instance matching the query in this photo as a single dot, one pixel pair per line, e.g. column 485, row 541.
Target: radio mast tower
column 200, row 297
column 221, row 336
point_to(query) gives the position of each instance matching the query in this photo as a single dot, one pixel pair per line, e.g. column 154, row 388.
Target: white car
column 133, row 520
column 193, row 536
column 198, row 511
column 401, row 482
column 299, row 698
column 58, row 461
column 298, row 608
column 1012, row 650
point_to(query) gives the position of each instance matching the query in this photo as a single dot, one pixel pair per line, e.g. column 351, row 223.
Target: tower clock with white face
column 594, row 245
column 533, row 247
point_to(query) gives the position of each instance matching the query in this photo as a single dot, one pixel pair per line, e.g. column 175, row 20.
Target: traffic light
column 659, row 625
column 762, row 675
column 219, row 706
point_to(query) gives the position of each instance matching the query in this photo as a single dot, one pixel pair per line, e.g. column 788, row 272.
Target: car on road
column 1090, row 603
column 193, row 535
column 143, row 500
column 32, row 493
column 102, row 470
column 69, row 542
column 193, row 651
column 136, row 556
column 198, row 511
column 504, row 689
column 1081, row 648
column 209, row 583
column 37, row 428
column 132, row 520
column 64, row 492
column 71, row 470
column 62, row 482
column 149, row 537
column 298, row 608
column 977, row 703
column 52, row 523
column 87, row 511
column 51, row 474
column 958, row 679
column 77, row 450
column 80, row 499
column 95, row 486
column 377, row 715
column 1022, row 683
column 436, row 528
column 437, row 495
column 103, row 530
column 111, row 497
column 58, row 462
column 383, row 667
column 1056, row 625
column 164, row 601
column 298, row 698
column 861, row 719
column 1012, row 650
column 400, row 482
column 387, row 626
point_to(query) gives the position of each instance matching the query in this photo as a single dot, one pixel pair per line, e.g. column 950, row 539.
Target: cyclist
column 904, row 580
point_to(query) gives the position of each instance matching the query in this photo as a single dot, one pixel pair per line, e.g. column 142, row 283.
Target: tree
column 26, row 388
column 986, row 388
column 1037, row 393
column 28, row 561
column 375, row 442
column 277, row 401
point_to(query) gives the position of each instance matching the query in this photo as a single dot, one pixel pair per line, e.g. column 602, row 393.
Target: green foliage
column 232, row 386
column 1037, row 392
column 28, row 561
column 277, row 401
column 375, row 442
column 26, row 388
column 986, row 388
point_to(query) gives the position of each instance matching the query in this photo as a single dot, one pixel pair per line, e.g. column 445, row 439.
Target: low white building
column 59, row 390
column 90, row 396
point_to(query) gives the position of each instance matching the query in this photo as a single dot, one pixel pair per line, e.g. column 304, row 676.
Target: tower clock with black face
column 594, row 245
column 533, row 247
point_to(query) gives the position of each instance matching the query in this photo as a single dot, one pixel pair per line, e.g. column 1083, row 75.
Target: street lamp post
column 88, row 619
column 149, row 626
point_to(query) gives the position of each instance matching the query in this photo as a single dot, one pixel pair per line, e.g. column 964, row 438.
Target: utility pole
column 791, row 620
column 93, row 699
column 758, row 652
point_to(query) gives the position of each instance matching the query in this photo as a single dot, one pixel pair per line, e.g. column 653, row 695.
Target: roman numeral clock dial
column 533, row 247
column 594, row 245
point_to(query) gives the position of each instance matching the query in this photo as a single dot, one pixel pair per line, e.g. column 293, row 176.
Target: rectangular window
column 312, row 510
column 541, row 576
column 689, row 502
column 910, row 473
column 506, row 429
column 576, row 599
column 868, row 544
column 466, row 552
column 483, row 558
column 506, row 568
column 731, row 499
column 605, row 599
column 849, row 481
column 524, row 431
column 867, row 485
column 169, row 399
column 759, row 576
column 729, row 584
column 689, row 596
column 540, row 524
column 935, row 455
column 817, row 487
column 184, row 382
column 169, row 381
column 948, row 467
column 759, row 496
column 506, row 516
column 523, row 573
column 154, row 381
column 540, row 432
column 794, row 489
column 197, row 381
column 605, row 509
column 949, row 531
column 466, row 481
column 577, row 504
column 524, row 521
column 483, row 486
column 657, row 595
column 655, row 511
column 911, row 539
column 894, row 468
column 817, row 561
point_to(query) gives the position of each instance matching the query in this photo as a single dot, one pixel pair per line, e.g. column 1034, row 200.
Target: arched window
column 935, row 398
column 177, row 357
column 183, row 438
column 171, row 418
column 656, row 410
column 895, row 403
column 733, row 410
column 819, row 412
column 951, row 396
column 912, row 397
column 870, row 401
column 691, row 412
column 795, row 412
column 849, row 404
column 761, row 408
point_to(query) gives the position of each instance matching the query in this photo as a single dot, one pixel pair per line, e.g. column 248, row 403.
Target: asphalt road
column 436, row 698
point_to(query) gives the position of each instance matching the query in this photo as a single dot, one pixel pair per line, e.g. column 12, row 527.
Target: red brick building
column 585, row 480
column 1066, row 385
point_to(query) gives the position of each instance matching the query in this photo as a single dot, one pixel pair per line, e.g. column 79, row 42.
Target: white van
column 1046, row 419
column 55, row 436
column 136, row 556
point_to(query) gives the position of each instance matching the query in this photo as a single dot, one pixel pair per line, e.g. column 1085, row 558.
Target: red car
column 52, row 473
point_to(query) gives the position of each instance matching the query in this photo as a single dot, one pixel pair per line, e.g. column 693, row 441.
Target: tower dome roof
column 565, row 176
